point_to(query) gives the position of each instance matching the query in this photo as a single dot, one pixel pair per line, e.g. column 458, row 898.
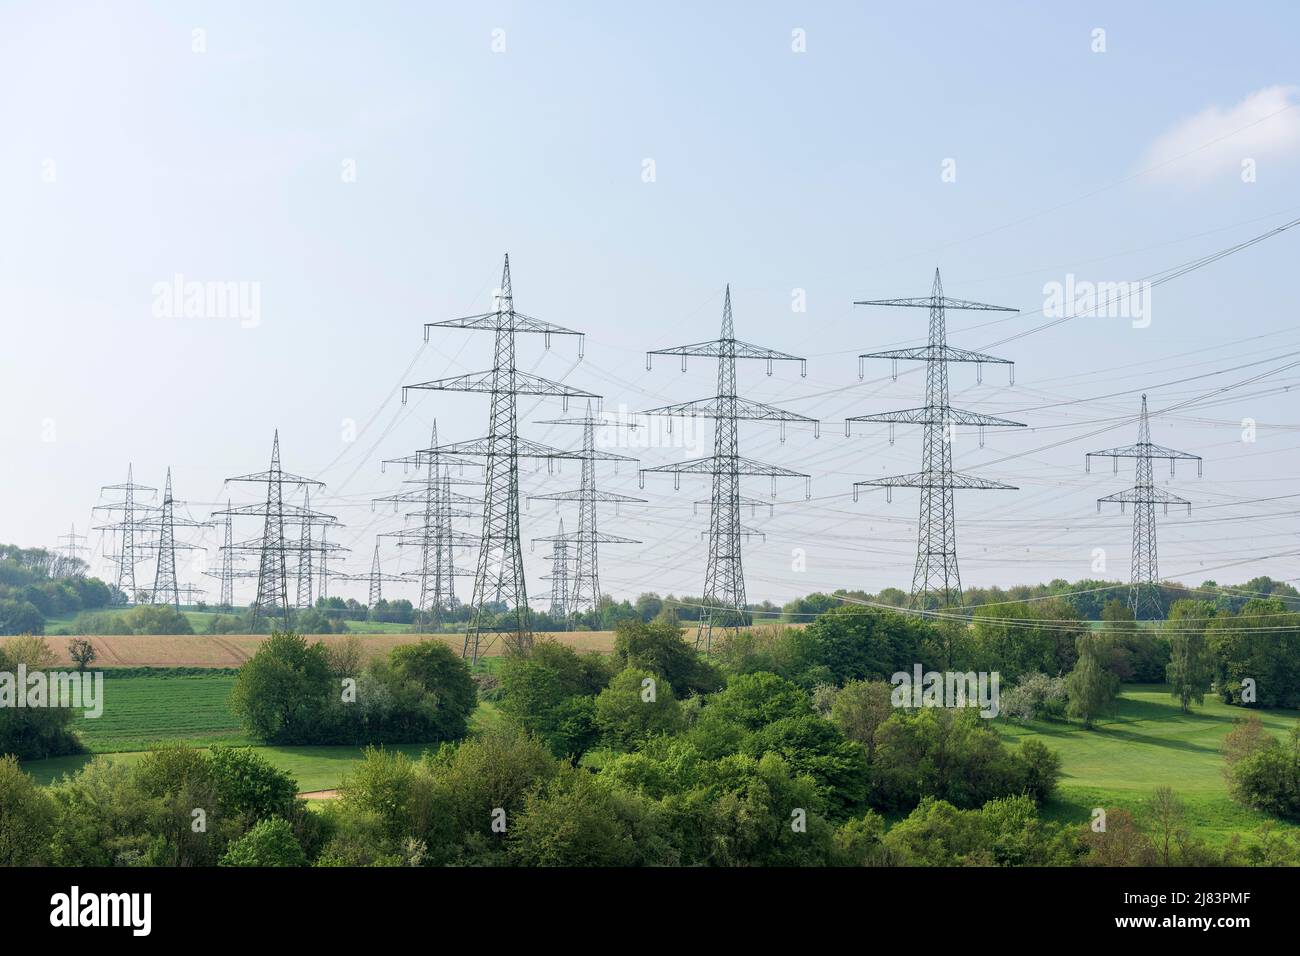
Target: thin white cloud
column 1263, row 127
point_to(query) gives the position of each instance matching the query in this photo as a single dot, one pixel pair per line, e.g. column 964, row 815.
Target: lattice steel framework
column 227, row 573
column 936, row 578
column 724, row 581
column 559, row 576
column 67, row 563
column 586, row 542
column 1144, row 596
column 274, row 546
column 500, row 593
column 131, row 549
column 436, row 537
column 166, row 590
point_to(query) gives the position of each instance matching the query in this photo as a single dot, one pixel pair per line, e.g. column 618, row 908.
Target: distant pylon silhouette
column 585, row 595
column 559, row 576
column 305, row 548
column 272, row 547
column 164, row 582
column 936, row 575
column 724, row 581
column 129, row 531
column 435, row 536
column 1144, row 595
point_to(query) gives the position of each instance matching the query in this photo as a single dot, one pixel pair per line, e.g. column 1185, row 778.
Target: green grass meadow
column 1147, row 742
column 145, row 711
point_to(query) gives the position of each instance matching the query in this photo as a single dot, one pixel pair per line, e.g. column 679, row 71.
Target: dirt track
column 231, row 650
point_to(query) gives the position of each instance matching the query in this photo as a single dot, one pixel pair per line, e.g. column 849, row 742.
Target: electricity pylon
column 305, row 548
column 585, row 595
column 227, row 573
column 724, row 581
column 559, row 576
column 435, row 536
column 936, row 575
column 272, row 547
column 129, row 531
column 66, row 563
column 165, row 587
column 499, row 580
column 1144, row 595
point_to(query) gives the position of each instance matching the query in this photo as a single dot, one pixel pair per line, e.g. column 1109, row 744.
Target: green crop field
column 1146, row 743
column 142, row 711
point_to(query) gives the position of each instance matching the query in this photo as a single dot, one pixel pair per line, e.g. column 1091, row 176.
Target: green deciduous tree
column 1091, row 686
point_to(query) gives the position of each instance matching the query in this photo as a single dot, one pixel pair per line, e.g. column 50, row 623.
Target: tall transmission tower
column 227, row 572
column 131, row 548
column 586, row 542
column 500, row 594
column 936, row 577
column 67, row 561
column 724, row 582
column 559, row 576
column 305, row 548
column 165, row 587
column 436, row 537
column 272, row 548
column 1144, row 595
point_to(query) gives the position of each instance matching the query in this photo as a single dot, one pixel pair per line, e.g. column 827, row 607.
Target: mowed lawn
column 1147, row 743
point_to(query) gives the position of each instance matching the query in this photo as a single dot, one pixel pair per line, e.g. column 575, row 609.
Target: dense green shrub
column 269, row 843
column 30, row 733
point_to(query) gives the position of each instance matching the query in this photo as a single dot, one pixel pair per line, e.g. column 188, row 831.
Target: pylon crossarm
column 293, row 514
column 938, row 416
column 523, row 383
column 931, row 301
column 742, row 531
column 728, row 406
column 923, row 479
column 729, row 348
column 577, row 494
column 1145, row 496
column 600, row 537
column 946, row 354
column 523, row 448
column 505, row 321
column 589, row 420
column 725, row 466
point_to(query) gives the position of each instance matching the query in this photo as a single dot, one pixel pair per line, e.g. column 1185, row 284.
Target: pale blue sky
column 128, row 158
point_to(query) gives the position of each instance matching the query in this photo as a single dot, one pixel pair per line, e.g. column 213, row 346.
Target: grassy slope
column 1146, row 743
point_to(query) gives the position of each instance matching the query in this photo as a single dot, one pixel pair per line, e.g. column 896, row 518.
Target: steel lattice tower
column 273, row 546
column 376, row 577
column 67, row 561
column 585, row 595
column 936, row 575
column 435, row 536
column 130, row 546
column 499, row 580
column 164, row 582
column 227, row 565
column 305, row 549
column 166, row 589
column 724, row 582
column 1144, row 596
column 559, row 576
